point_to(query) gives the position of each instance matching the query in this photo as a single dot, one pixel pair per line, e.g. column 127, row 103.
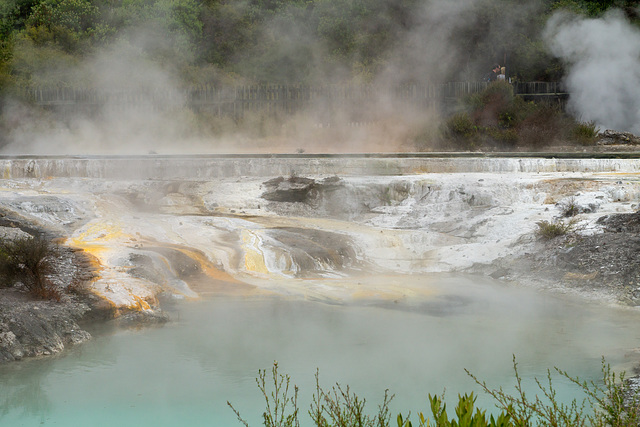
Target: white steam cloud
column 603, row 78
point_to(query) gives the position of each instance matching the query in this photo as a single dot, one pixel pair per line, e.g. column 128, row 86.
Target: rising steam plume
column 603, row 57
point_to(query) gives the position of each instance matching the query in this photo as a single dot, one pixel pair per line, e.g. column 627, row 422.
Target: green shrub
column 610, row 402
column 338, row 407
column 31, row 261
column 496, row 117
column 513, row 113
column 465, row 415
column 461, row 130
column 505, row 137
column 281, row 408
column 585, row 133
column 341, row 407
column 550, row 229
column 461, row 125
column 542, row 126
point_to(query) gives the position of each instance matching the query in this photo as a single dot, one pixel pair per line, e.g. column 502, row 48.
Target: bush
column 550, row 229
column 570, row 208
column 610, row 402
column 29, row 260
column 461, row 130
column 497, row 93
column 506, row 138
column 338, row 407
column 585, row 133
column 544, row 125
column 465, row 415
column 461, row 125
column 496, row 117
column 513, row 113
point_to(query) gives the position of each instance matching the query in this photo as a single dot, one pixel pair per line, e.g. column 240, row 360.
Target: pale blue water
column 183, row 373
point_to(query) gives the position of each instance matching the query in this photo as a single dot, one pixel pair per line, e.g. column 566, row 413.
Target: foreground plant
column 465, row 415
column 281, row 408
column 613, row 402
column 339, row 407
column 342, row 408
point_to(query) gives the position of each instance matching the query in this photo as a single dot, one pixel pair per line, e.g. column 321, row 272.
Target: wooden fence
column 359, row 100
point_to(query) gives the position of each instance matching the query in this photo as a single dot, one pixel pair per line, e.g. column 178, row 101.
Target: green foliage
column 5, row 56
column 8, row 13
column 611, row 402
column 31, row 261
column 461, row 126
column 295, row 40
column 339, row 407
column 301, row 41
column 585, row 133
column 495, row 118
column 615, row 402
column 172, row 28
column 543, row 125
column 460, row 130
column 505, row 138
column 281, row 407
column 73, row 15
column 342, row 408
column 465, row 414
column 514, row 112
column 497, row 93
column 47, row 65
column 64, row 22
column 591, row 8
column 551, row 229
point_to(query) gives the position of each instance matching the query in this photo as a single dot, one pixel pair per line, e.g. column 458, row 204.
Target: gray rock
column 37, row 328
column 612, row 137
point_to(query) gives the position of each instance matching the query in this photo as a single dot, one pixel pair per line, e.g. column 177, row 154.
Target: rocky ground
column 604, row 267
column 30, row 327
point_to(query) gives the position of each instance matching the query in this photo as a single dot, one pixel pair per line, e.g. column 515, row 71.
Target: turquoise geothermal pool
column 184, row 372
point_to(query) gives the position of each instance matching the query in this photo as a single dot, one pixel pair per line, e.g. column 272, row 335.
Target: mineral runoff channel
column 212, row 166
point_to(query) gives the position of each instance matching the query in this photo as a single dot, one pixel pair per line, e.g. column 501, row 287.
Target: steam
column 432, row 43
column 603, row 57
column 119, row 73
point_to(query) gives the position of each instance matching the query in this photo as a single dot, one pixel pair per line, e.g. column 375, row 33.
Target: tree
column 64, row 22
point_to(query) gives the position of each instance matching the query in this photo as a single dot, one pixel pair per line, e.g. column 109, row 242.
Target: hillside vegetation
column 141, row 46
column 44, row 42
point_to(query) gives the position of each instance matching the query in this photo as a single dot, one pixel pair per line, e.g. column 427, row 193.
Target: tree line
column 45, row 42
